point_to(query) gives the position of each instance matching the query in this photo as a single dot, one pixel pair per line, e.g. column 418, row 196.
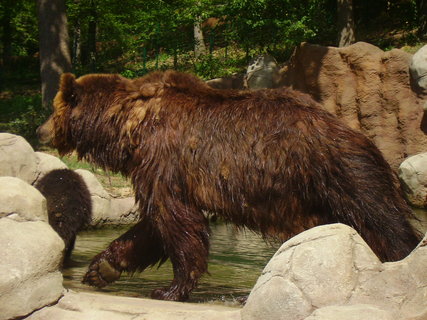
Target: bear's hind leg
column 185, row 233
column 135, row 250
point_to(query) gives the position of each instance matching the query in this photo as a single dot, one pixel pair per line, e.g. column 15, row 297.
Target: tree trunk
column 7, row 33
column 199, row 41
column 91, row 39
column 345, row 23
column 76, row 45
column 54, row 47
column 422, row 18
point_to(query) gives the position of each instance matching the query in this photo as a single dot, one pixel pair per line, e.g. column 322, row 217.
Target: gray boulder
column 20, row 201
column 262, row 72
column 413, row 175
column 418, row 67
column 17, row 158
column 31, row 251
column 331, row 266
column 101, row 200
column 124, row 210
column 47, row 163
column 105, row 209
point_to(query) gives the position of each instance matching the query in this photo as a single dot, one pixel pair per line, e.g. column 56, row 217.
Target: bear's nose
column 39, row 132
column 43, row 134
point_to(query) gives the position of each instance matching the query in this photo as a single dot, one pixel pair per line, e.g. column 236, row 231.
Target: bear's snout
column 44, row 132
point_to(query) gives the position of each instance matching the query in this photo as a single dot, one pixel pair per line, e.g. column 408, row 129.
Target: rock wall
column 369, row 89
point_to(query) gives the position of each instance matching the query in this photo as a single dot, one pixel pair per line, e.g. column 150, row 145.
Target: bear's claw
column 100, row 274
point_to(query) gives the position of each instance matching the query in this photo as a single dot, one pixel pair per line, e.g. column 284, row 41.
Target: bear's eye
column 73, row 100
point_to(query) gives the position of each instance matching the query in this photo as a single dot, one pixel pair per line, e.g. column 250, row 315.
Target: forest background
column 211, row 38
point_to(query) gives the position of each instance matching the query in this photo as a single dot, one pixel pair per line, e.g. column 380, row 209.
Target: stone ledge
column 83, row 305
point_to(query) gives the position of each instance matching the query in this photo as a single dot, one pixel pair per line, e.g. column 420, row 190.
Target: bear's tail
column 372, row 202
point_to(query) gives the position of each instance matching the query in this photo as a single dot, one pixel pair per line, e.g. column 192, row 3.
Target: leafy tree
column 17, row 33
column 269, row 24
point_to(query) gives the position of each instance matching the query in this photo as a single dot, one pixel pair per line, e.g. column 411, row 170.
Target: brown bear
column 270, row 160
column 69, row 204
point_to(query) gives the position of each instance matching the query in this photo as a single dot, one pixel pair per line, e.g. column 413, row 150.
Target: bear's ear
column 68, row 86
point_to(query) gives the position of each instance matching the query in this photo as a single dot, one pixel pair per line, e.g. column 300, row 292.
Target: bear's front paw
column 100, row 274
column 170, row 294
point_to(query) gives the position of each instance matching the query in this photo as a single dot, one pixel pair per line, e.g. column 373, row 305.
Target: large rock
column 331, row 266
column 367, row 88
column 17, row 158
column 124, row 210
column 105, row 209
column 101, row 200
column 262, row 72
column 20, row 201
column 413, row 174
column 31, row 251
column 351, row 312
column 418, row 67
column 47, row 163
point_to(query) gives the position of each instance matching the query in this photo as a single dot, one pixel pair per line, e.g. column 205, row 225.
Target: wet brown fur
column 269, row 160
column 69, row 205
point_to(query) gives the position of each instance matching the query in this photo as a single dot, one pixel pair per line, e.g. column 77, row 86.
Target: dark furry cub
column 269, row 160
column 69, row 205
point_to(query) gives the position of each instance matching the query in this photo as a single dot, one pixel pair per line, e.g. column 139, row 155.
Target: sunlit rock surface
column 413, row 174
column 331, row 266
column 30, row 251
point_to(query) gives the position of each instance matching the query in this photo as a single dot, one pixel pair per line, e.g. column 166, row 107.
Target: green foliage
column 133, row 36
column 22, row 115
column 23, row 22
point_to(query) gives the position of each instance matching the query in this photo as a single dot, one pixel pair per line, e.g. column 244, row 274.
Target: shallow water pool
column 235, row 263
column 236, row 260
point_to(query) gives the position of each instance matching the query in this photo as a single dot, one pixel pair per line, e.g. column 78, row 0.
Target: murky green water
column 235, row 263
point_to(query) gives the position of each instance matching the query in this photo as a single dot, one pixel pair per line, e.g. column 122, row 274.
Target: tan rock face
column 367, row 88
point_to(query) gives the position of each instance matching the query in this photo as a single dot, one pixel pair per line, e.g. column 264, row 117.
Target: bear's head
column 78, row 103
column 53, row 131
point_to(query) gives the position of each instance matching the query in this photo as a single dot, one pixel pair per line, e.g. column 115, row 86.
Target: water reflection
column 235, row 263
